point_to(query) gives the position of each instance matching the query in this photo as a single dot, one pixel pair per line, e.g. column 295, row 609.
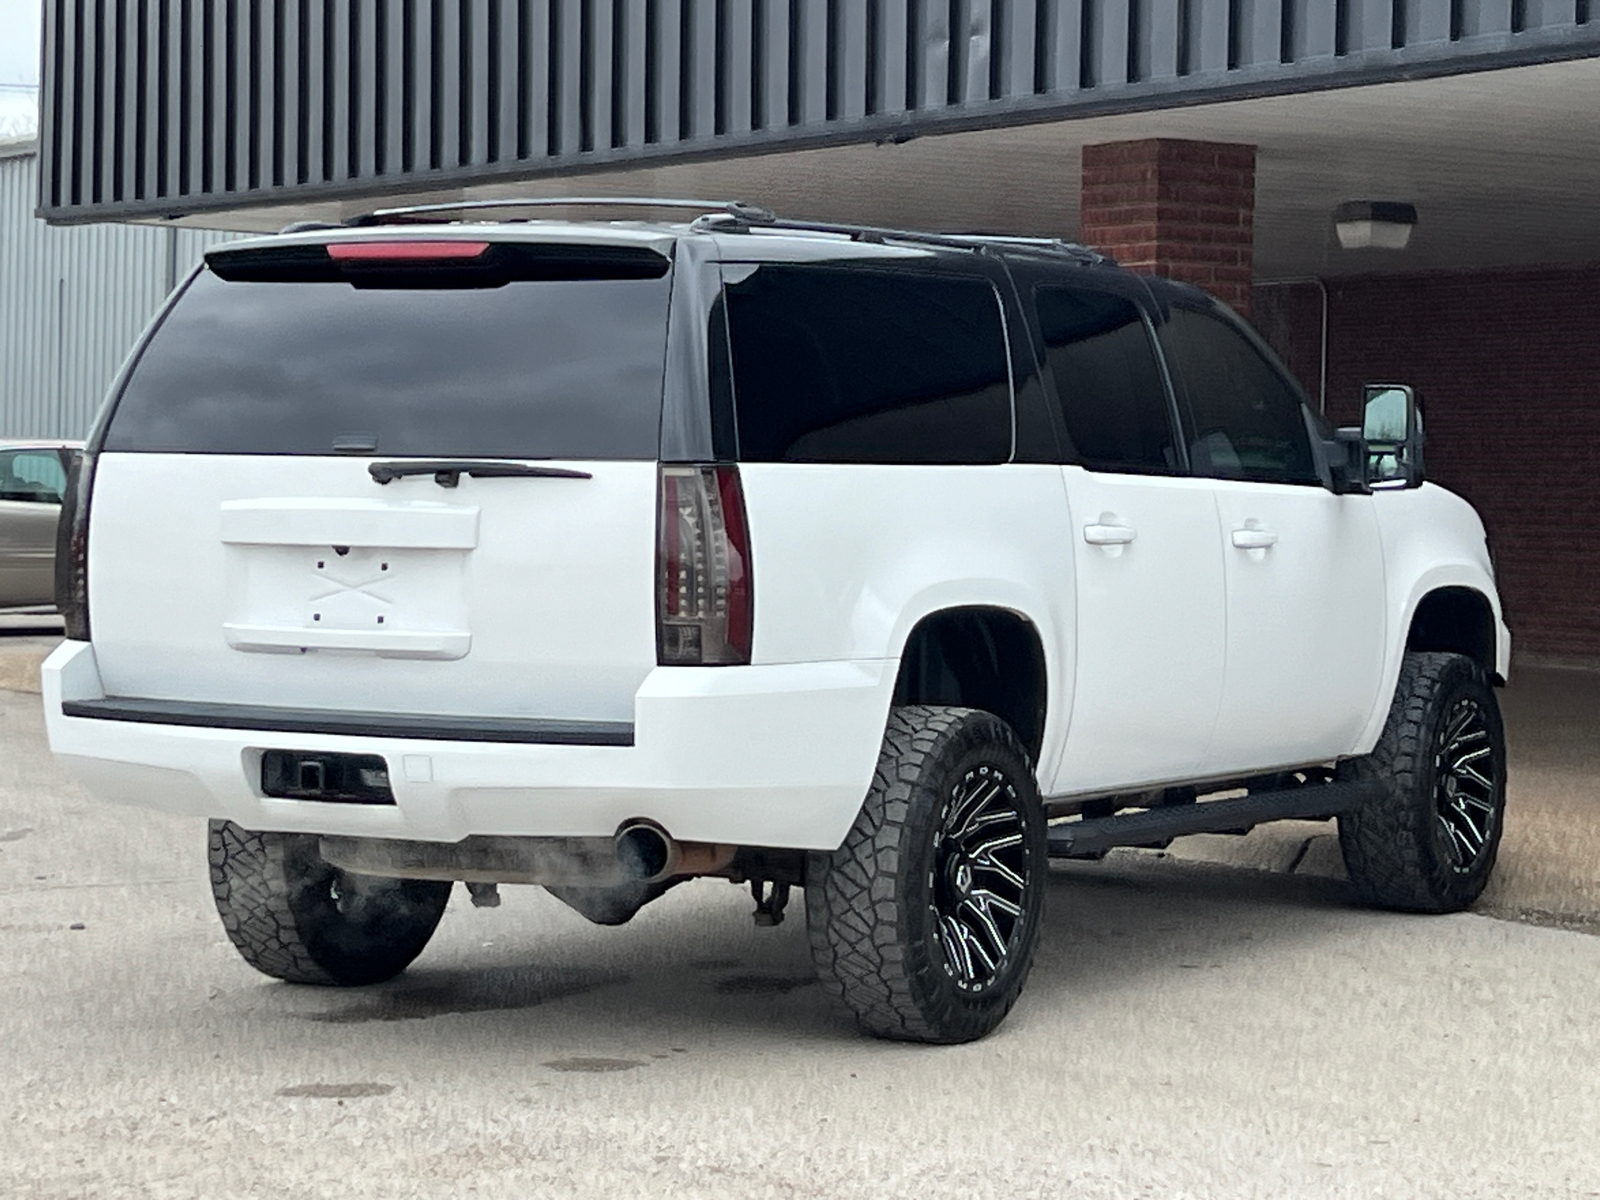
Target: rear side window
column 1113, row 398
column 531, row 368
column 848, row 364
column 1245, row 419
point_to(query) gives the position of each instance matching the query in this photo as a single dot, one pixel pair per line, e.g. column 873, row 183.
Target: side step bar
column 1092, row 837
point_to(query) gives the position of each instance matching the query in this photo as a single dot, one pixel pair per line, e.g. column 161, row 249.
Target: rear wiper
column 448, row 474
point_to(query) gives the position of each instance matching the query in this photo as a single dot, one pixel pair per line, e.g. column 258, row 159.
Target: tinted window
column 1246, row 420
column 1113, row 399
column 842, row 364
column 529, row 369
column 35, row 475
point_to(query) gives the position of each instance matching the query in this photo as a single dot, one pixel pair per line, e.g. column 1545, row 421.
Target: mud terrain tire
column 1429, row 843
column 294, row 917
column 924, row 922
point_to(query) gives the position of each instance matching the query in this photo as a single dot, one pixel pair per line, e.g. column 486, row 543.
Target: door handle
column 1254, row 539
column 1108, row 535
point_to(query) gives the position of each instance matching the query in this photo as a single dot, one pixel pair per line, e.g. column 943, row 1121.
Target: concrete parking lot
column 1191, row 1029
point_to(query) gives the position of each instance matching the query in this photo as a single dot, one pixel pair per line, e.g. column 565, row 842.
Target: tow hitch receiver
column 335, row 778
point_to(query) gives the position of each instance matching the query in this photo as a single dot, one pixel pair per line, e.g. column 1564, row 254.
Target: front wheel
column 924, row 922
column 1428, row 842
column 296, row 917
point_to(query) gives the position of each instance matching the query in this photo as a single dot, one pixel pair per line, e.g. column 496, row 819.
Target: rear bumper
column 775, row 756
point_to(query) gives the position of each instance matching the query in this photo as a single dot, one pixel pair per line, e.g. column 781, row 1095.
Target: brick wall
column 1508, row 367
column 1176, row 208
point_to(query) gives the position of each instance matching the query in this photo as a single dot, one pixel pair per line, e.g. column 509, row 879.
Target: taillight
column 72, row 549
column 704, row 613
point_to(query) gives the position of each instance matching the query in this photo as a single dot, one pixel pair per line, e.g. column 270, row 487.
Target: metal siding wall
column 187, row 104
column 72, row 303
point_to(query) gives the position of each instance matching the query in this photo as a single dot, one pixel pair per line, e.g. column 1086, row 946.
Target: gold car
column 33, row 476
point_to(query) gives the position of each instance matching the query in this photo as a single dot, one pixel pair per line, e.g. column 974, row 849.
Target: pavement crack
column 1300, row 855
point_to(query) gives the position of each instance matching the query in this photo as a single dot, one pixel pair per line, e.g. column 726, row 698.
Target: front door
column 1303, row 567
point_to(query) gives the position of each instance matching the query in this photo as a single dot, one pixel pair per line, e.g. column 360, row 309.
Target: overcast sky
column 19, row 66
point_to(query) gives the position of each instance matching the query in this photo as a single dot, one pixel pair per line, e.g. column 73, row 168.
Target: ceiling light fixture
column 1374, row 224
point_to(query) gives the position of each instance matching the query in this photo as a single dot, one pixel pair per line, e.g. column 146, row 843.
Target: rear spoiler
column 432, row 262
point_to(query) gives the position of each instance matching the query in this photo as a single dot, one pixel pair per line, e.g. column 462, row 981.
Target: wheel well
column 1458, row 620
column 984, row 658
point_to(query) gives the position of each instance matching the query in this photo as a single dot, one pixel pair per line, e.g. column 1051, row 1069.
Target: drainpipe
column 1322, row 366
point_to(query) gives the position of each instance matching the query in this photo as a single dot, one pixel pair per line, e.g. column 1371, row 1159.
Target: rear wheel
column 294, row 917
column 924, row 922
column 1428, row 843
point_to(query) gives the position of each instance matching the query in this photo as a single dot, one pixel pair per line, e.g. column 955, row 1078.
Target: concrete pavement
column 1189, row 1030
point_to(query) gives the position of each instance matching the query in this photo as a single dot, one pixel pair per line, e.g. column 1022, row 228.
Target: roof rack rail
column 875, row 233
column 410, row 213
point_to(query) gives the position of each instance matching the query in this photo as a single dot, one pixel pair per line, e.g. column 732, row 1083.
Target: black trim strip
column 525, row 730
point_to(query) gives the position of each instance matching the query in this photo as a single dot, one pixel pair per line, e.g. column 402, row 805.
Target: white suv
column 604, row 555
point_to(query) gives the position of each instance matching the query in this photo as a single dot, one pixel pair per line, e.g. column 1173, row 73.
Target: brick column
column 1176, row 208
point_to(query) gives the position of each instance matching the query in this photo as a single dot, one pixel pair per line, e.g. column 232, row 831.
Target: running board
column 1313, row 801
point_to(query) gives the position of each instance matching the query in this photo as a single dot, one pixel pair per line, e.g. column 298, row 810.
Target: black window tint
column 841, row 364
column 1113, row 399
column 1246, row 420
column 531, row 369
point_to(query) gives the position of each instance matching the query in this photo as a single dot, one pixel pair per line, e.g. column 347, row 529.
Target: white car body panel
column 1149, row 663
column 1432, row 539
column 772, row 755
column 930, row 539
column 1306, row 625
column 268, row 614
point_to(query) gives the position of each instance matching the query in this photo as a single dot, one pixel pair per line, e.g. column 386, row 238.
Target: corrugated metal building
column 1209, row 140
column 72, row 301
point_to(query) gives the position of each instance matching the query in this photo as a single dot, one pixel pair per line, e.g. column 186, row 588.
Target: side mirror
column 1391, row 428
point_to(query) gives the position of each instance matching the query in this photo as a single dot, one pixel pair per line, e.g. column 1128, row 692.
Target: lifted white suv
column 887, row 565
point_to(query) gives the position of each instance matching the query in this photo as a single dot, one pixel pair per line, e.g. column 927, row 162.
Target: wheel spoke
column 980, row 923
column 1458, row 721
column 1459, row 850
column 995, row 866
column 966, row 810
column 955, row 948
column 993, row 900
column 1473, row 774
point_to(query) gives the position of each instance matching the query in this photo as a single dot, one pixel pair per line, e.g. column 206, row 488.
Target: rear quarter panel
column 848, row 558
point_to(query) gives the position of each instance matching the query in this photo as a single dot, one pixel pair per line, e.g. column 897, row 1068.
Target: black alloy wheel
column 979, row 880
column 1464, row 794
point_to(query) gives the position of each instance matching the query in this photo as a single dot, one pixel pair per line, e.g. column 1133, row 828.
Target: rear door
column 286, row 509
column 1143, row 538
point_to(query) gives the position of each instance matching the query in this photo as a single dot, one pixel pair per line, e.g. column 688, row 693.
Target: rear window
column 850, row 364
column 527, row 368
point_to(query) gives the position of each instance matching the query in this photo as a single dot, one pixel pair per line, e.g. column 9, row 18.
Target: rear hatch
column 404, row 473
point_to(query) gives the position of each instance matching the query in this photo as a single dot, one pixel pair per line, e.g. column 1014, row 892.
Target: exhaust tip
column 645, row 852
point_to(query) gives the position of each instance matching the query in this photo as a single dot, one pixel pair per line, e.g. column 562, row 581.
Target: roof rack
column 744, row 222
column 411, row 213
